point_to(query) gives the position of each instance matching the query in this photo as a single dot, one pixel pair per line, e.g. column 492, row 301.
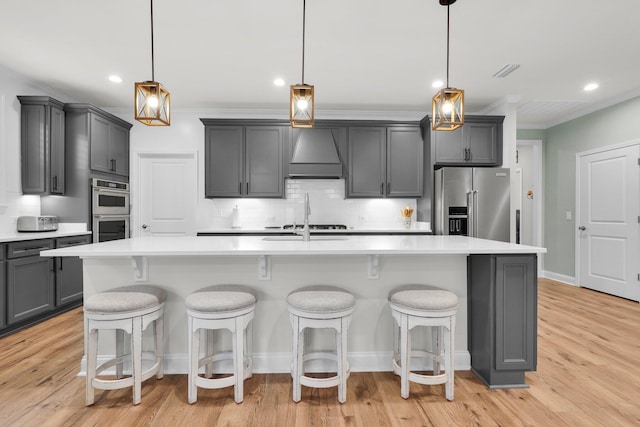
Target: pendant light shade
column 301, row 109
column 152, row 101
column 301, row 98
column 447, row 106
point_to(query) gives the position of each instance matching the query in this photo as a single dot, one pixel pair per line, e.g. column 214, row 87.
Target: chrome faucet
column 306, row 236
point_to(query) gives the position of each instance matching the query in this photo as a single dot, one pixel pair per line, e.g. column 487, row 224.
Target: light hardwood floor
column 588, row 356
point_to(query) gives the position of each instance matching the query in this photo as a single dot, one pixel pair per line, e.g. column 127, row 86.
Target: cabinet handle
column 112, row 164
column 247, row 193
column 55, row 183
column 240, row 188
column 382, row 188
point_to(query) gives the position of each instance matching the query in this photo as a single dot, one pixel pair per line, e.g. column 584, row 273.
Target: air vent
column 506, row 70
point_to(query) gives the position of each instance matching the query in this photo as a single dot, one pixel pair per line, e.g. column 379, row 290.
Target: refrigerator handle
column 470, row 215
column 475, row 213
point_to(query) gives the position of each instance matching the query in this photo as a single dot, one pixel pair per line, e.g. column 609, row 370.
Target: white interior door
column 167, row 194
column 608, row 239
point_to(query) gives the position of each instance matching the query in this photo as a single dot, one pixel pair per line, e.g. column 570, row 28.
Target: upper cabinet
column 477, row 143
column 42, row 145
column 244, row 160
column 385, row 162
column 106, row 135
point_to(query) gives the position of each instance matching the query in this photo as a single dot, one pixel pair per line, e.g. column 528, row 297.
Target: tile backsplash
column 327, row 201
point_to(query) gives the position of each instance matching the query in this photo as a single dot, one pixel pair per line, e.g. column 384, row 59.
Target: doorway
column 529, row 162
column 166, row 194
column 607, row 209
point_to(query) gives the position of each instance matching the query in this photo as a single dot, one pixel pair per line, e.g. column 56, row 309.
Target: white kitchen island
column 367, row 266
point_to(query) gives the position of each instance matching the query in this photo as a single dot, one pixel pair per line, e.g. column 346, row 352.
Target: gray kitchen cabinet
column 244, row 161
column 477, row 143
column 69, row 284
column 502, row 323
column 385, row 162
column 98, row 139
column 30, row 280
column 3, row 288
column 42, row 145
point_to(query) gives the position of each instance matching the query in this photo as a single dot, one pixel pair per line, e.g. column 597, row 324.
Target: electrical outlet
column 568, row 215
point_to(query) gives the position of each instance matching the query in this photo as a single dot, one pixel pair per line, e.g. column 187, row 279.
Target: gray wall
column 609, row 126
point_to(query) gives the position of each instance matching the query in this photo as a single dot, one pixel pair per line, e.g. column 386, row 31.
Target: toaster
column 38, row 223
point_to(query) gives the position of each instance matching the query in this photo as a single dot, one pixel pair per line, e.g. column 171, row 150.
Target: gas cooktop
column 315, row 227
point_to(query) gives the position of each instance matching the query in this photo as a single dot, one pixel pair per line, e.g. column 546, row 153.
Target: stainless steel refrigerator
column 472, row 202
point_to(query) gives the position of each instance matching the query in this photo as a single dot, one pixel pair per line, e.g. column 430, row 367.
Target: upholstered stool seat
column 127, row 309
column 423, row 305
column 320, row 307
column 228, row 307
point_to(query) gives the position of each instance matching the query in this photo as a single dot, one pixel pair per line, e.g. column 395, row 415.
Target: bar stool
column 229, row 307
column 422, row 305
column 129, row 309
column 320, row 307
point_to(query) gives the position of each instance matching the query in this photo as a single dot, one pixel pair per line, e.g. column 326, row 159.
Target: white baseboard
column 559, row 278
column 273, row 363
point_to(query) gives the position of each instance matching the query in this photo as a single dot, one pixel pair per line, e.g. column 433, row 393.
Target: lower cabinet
column 69, row 272
column 502, row 317
column 3, row 289
column 30, row 280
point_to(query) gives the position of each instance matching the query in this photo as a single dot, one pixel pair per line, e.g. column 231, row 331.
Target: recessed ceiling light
column 115, row 79
column 278, row 82
column 591, row 86
column 437, row 84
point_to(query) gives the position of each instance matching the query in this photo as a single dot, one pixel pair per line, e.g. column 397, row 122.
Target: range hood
column 315, row 155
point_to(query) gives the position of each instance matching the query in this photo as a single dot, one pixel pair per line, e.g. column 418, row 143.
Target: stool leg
column 436, row 344
column 341, row 348
column 209, row 339
column 248, row 334
column 449, row 338
column 298, row 346
column 237, row 335
column 92, row 356
column 405, row 356
column 119, row 352
column 136, row 359
column 194, row 350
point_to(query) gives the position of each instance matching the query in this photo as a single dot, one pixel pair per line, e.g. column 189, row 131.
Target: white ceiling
column 360, row 54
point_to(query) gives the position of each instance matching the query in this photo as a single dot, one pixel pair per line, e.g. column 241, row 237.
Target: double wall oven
column 109, row 209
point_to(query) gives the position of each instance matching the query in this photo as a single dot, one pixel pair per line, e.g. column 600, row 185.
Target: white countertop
column 285, row 245
column 64, row 230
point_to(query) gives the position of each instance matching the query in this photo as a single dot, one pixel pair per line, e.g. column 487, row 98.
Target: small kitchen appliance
column 35, row 223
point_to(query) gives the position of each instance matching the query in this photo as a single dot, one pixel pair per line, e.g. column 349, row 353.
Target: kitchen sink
column 299, row 238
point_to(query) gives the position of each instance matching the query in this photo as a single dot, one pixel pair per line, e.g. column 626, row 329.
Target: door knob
column 582, row 228
column 145, row 226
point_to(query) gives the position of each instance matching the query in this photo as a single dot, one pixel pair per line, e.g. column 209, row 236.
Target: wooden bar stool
column 229, row 307
column 422, row 305
column 320, row 307
column 127, row 309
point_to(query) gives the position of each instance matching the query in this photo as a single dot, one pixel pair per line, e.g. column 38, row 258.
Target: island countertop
column 293, row 246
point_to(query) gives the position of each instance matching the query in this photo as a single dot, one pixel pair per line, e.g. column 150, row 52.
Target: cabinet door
column 367, row 162
column 224, row 161
column 405, row 159
column 56, row 138
column 450, row 146
column 119, row 150
column 263, row 162
column 33, row 144
column 99, row 140
column 482, row 142
column 69, row 284
column 516, row 313
column 3, row 292
column 30, row 287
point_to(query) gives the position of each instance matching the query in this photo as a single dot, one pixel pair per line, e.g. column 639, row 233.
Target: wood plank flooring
column 588, row 356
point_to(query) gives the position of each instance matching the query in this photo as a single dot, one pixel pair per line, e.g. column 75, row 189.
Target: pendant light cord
column 153, row 77
column 448, row 6
column 304, row 15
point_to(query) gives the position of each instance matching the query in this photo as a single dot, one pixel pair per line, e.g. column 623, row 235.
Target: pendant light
column 448, row 104
column 301, row 108
column 152, row 101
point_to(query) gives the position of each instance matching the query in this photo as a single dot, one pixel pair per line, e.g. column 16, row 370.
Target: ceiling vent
column 506, row 70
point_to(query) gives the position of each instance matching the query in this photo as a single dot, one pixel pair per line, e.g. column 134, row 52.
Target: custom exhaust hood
column 315, row 155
